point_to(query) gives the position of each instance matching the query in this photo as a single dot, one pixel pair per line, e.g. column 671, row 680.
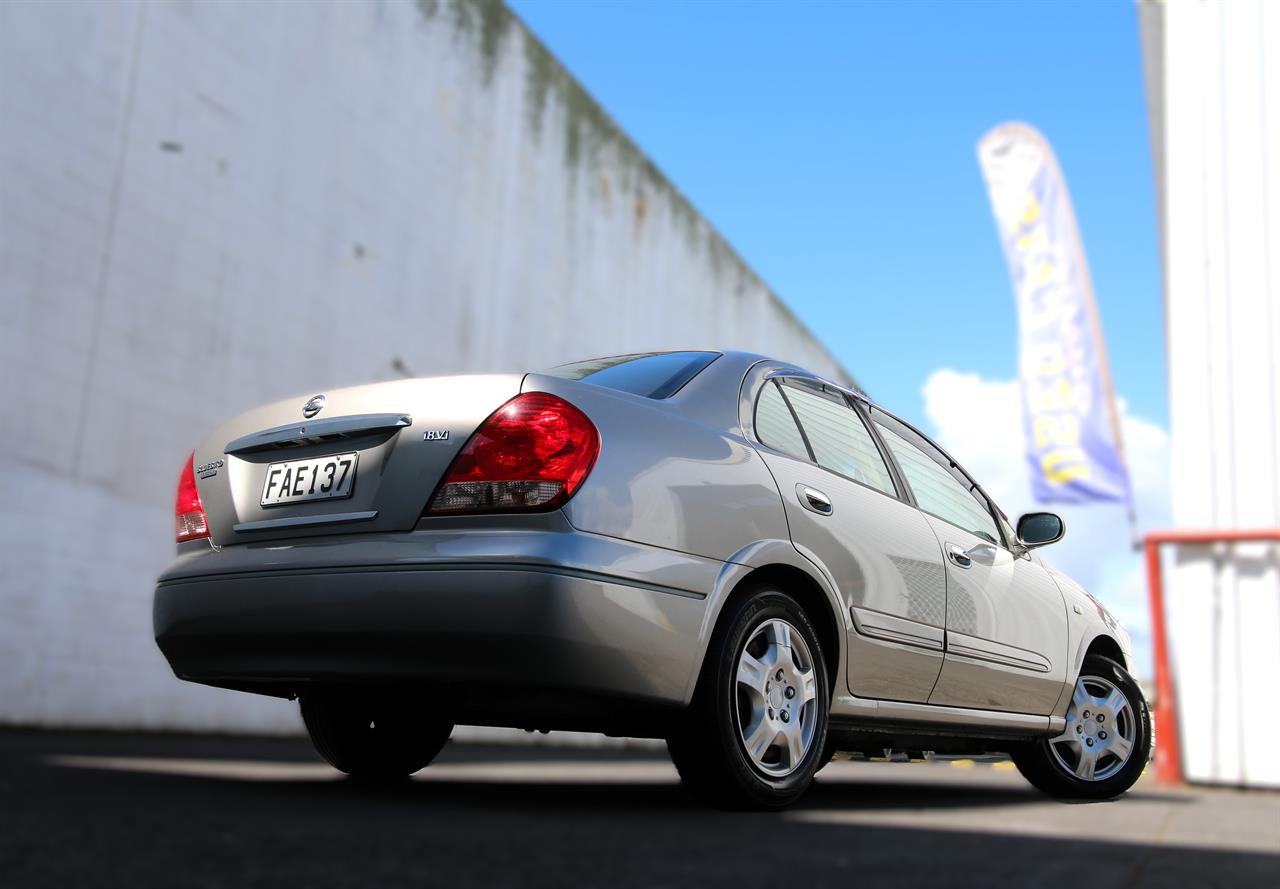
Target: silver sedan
column 715, row 548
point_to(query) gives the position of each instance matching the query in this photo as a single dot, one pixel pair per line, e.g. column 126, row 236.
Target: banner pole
column 1100, row 349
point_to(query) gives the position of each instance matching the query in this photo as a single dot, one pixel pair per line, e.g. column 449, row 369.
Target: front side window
column 838, row 437
column 937, row 491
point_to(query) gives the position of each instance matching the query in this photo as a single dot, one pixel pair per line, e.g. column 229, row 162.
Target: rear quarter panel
column 397, row 472
column 666, row 478
column 678, row 475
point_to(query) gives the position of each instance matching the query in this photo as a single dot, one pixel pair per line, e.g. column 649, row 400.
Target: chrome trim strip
column 973, row 648
column 303, row 429
column 991, row 657
column 876, row 625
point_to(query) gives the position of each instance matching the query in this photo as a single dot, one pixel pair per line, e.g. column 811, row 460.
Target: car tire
column 709, row 744
column 829, row 754
column 1106, row 743
column 373, row 735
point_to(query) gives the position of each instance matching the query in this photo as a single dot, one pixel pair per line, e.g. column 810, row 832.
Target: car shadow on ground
column 132, row 820
column 614, row 785
column 610, row 797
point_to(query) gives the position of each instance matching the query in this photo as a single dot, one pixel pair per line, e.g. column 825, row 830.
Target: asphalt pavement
column 96, row 809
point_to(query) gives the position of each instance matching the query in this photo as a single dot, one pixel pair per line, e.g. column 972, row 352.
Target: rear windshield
column 651, row 374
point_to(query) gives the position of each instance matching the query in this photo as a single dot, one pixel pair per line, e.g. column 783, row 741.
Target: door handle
column 958, row 556
column 814, row 500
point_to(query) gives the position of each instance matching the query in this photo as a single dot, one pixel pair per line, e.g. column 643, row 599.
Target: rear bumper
column 501, row 628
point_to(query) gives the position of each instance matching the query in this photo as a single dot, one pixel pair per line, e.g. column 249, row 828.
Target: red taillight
column 189, row 511
column 532, row 453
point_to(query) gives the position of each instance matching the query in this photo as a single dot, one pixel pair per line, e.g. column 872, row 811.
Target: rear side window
column 653, row 374
column 937, row 491
column 839, row 438
column 775, row 426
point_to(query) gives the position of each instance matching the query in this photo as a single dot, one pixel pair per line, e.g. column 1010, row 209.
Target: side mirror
column 1040, row 529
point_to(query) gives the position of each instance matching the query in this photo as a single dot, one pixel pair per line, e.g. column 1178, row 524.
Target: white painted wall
column 208, row 205
column 1221, row 96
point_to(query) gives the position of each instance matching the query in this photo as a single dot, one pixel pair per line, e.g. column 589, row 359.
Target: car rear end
column 413, row 532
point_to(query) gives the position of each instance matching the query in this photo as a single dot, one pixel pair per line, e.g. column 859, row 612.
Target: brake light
column 189, row 511
column 530, row 454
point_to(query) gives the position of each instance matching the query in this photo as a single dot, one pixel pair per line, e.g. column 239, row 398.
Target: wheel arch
column 1095, row 641
column 1107, row 647
column 812, row 598
column 777, row 563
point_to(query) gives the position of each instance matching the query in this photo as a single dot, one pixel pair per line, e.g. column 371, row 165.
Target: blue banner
column 1072, row 432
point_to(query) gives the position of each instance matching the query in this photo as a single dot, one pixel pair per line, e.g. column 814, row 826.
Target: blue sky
column 833, row 145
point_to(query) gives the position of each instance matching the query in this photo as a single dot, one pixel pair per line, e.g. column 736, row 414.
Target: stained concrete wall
column 208, row 205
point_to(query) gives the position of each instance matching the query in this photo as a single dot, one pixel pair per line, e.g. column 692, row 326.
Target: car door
column 1006, row 623
column 847, row 515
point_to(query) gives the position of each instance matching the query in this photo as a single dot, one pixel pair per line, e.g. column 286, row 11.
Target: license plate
column 320, row 478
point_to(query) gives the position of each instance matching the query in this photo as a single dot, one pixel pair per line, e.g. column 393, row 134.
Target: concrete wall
column 1214, row 72
column 207, row 205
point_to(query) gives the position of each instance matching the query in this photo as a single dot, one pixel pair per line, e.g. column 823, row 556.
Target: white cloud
column 979, row 421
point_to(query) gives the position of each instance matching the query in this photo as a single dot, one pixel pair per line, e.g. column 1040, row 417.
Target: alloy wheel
column 1100, row 733
column 775, row 693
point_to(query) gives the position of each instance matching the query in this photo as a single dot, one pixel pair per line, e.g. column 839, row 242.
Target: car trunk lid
column 363, row 458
